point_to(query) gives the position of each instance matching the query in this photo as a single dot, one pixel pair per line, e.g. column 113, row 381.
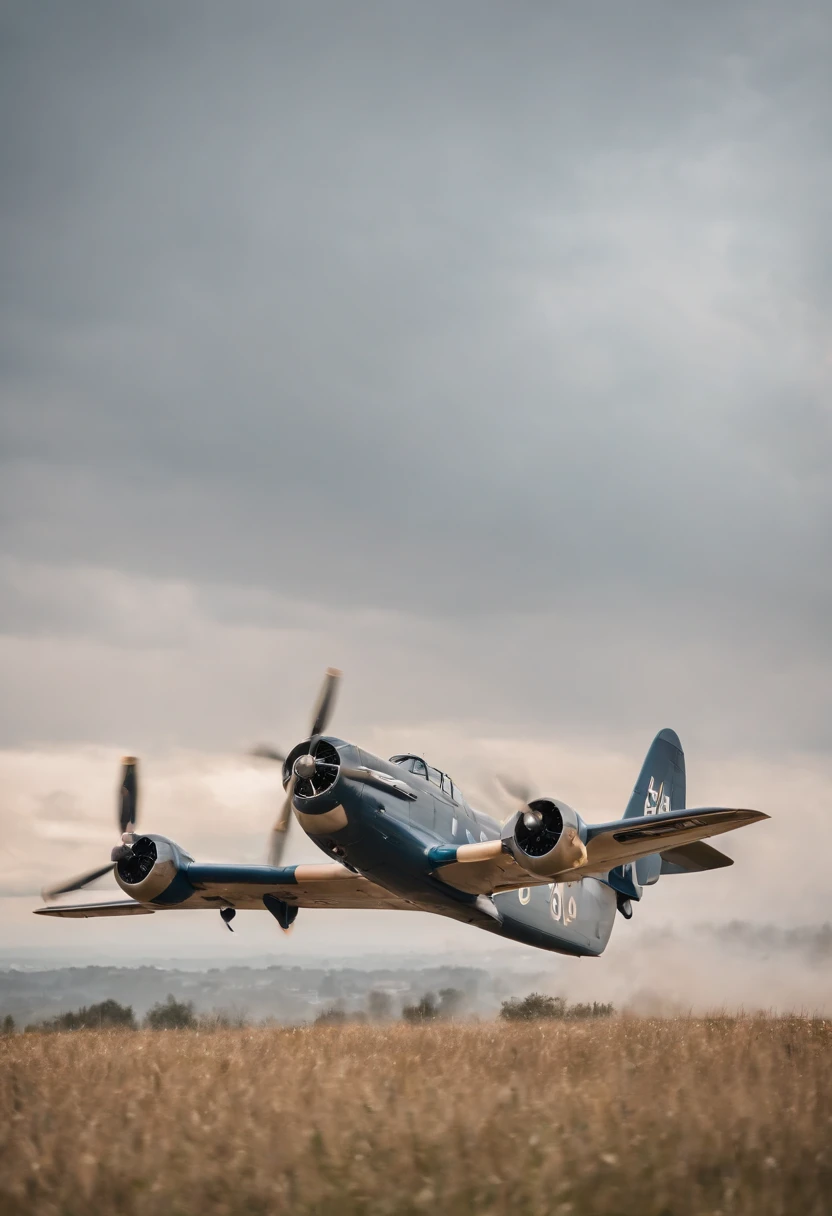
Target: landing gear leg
column 228, row 915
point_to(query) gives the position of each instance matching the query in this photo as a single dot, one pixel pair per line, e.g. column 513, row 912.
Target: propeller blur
column 126, row 813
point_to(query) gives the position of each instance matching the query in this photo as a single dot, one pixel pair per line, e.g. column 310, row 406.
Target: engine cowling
column 149, row 867
column 546, row 838
column 324, row 763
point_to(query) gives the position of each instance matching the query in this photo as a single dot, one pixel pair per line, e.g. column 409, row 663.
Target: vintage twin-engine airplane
column 402, row 836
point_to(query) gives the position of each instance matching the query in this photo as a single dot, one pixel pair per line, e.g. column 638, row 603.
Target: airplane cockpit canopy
column 417, row 766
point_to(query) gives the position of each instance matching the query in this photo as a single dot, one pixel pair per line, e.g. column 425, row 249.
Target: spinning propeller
column 540, row 824
column 306, row 766
column 519, row 792
column 128, row 795
column 516, row 789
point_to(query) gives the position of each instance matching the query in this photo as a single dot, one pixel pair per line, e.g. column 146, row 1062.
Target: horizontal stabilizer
column 693, row 859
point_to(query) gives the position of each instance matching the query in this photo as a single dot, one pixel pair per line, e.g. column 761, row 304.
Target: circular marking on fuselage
column 556, row 904
column 524, row 894
column 572, row 909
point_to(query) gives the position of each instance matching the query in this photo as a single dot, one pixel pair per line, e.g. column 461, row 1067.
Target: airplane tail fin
column 660, row 787
column 661, row 782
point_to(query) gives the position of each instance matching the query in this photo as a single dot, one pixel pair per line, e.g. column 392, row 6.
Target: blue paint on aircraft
column 179, row 890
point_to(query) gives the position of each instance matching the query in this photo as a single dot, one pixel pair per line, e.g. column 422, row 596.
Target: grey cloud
column 91, row 655
column 507, row 324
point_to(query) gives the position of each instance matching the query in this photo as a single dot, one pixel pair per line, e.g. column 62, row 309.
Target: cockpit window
column 405, row 762
column 411, row 764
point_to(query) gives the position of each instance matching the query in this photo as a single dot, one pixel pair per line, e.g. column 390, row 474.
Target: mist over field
column 707, row 969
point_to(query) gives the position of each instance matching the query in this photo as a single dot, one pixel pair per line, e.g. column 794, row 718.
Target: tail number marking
column 657, row 801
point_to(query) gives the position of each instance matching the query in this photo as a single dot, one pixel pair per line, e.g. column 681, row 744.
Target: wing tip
column 114, row 907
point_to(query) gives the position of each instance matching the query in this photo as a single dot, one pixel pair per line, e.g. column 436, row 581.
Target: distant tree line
column 447, row 1004
column 110, row 1015
column 171, row 1014
column 536, row 1006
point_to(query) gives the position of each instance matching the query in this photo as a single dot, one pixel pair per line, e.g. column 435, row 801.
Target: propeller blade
column 128, row 795
column 326, row 702
column 264, row 752
column 75, row 884
column 515, row 787
column 281, row 825
column 320, row 719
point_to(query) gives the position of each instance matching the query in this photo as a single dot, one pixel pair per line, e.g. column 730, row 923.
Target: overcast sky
column 482, row 350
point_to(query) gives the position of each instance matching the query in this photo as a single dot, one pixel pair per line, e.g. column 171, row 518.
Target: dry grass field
column 616, row 1116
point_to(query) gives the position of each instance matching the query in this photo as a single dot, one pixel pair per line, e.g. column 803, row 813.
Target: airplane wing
column 613, row 844
column 116, row 907
column 486, row 869
column 243, row 887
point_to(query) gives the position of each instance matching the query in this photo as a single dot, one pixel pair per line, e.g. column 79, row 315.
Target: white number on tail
column 657, row 801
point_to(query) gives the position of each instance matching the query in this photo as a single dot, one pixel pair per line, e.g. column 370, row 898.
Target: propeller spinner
column 128, row 797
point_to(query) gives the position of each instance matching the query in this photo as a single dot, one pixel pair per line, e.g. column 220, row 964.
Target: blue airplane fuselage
column 389, row 838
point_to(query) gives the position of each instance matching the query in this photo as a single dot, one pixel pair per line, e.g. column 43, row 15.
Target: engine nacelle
column 546, row 838
column 150, row 866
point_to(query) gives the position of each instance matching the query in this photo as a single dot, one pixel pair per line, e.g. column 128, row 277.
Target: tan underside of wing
column 330, row 887
column 316, row 886
column 619, row 843
column 115, row 907
column 484, row 869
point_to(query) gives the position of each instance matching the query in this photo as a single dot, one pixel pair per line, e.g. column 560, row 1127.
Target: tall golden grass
column 650, row 1117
